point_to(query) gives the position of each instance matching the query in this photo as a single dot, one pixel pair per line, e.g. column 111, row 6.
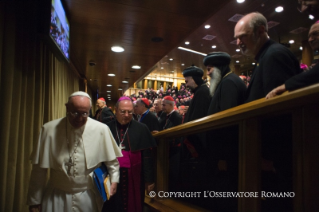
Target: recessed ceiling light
column 279, row 9
column 162, row 67
column 240, row 1
column 183, row 64
column 136, row 67
column 237, row 61
column 120, row 89
column 117, row 49
column 207, row 26
column 187, row 42
column 109, row 85
column 111, row 75
column 170, row 59
column 291, row 41
column 124, row 81
column 253, row 64
column 311, row 17
column 108, row 91
column 172, row 71
column 300, row 48
column 108, row 94
column 237, row 50
column 214, row 47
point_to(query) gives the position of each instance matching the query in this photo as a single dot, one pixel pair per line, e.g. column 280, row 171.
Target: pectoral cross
column 122, row 146
column 69, row 165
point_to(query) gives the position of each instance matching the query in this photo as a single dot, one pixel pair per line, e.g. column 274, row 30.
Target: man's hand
column 149, row 187
column 35, row 208
column 277, row 91
column 113, row 189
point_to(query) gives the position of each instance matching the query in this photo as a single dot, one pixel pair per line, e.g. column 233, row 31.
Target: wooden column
column 155, row 85
column 145, row 84
column 307, row 53
column 249, row 179
column 135, row 86
column 164, row 86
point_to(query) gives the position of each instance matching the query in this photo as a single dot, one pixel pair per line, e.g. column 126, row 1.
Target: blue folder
column 99, row 174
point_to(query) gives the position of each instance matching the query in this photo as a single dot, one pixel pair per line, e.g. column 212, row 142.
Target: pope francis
column 71, row 148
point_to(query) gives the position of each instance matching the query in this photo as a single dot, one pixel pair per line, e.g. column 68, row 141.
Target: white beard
column 215, row 79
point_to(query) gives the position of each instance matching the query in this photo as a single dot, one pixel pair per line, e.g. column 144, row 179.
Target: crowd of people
column 72, row 147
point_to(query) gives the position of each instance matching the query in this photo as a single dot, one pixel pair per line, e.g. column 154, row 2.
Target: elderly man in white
column 72, row 147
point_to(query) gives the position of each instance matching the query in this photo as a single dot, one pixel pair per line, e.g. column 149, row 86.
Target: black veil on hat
column 195, row 72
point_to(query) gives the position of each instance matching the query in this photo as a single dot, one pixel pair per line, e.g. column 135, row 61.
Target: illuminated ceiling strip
column 189, row 50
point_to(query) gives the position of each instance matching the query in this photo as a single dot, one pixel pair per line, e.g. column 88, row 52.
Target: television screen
column 59, row 27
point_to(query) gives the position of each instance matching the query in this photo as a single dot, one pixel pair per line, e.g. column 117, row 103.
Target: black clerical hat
column 193, row 71
column 216, row 59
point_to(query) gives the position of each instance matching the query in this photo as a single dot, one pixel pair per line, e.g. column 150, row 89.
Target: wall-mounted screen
column 59, row 28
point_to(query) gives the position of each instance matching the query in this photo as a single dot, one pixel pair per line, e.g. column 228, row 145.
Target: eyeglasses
column 76, row 114
column 123, row 112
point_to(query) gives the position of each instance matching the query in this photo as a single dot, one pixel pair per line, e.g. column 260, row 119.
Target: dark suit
column 303, row 79
column 275, row 64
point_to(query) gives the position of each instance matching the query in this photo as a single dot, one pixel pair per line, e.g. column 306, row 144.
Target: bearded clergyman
column 227, row 91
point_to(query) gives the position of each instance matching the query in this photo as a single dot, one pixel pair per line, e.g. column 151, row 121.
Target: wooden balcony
column 302, row 104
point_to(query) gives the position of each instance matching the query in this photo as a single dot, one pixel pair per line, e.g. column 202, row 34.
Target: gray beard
column 215, row 79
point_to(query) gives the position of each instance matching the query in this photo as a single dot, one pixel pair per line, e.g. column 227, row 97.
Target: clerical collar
column 170, row 113
column 121, row 127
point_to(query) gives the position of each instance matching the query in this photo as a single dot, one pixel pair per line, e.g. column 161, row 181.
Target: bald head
column 251, row 33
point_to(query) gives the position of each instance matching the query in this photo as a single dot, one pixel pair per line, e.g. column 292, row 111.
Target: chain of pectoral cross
column 70, row 163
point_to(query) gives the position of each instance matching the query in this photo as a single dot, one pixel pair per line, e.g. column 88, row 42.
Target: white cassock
column 71, row 188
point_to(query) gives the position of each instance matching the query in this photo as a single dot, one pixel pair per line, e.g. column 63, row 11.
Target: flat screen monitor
column 60, row 28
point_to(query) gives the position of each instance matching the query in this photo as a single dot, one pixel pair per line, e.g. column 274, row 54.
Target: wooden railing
column 303, row 104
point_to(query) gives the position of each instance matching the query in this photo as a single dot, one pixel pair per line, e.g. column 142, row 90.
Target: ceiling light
column 124, row 81
column 136, row 67
column 207, row 26
column 300, row 48
column 237, row 50
column 187, row 42
column 108, row 91
column 162, row 67
column 240, row 1
column 111, row 75
column 117, row 49
column 311, row 17
column 109, row 95
column 237, row 61
column 279, row 9
column 189, row 50
column 183, row 64
column 172, row 71
column 291, row 41
column 253, row 64
column 120, row 89
column 170, row 59
column 214, row 47
column 109, row 85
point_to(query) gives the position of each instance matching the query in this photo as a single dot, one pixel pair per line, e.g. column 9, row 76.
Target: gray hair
column 80, row 93
column 169, row 102
column 258, row 20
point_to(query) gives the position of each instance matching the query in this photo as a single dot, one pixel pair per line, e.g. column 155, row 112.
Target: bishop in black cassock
column 136, row 165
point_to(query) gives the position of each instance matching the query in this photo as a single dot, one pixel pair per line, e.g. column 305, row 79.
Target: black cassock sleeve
column 303, row 79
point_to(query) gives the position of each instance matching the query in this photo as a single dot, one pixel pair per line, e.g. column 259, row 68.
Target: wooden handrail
column 302, row 104
column 256, row 108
